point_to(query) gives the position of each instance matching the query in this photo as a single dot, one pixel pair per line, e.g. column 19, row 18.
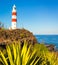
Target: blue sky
column 37, row 16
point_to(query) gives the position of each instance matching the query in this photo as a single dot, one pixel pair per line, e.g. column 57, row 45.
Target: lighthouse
column 14, row 17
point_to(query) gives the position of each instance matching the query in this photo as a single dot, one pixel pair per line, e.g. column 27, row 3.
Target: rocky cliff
column 8, row 36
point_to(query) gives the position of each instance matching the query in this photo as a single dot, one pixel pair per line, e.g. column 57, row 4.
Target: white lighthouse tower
column 14, row 17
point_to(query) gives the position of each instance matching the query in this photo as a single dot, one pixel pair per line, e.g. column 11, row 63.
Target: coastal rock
column 51, row 47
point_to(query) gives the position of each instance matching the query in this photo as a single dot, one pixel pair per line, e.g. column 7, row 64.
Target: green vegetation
column 36, row 54
column 2, row 26
column 19, row 56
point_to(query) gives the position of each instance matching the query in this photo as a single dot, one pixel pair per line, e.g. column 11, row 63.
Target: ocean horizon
column 48, row 39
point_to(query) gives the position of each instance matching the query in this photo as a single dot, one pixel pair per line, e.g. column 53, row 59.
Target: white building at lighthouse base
column 13, row 25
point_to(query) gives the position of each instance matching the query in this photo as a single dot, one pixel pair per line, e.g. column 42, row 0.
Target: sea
column 48, row 39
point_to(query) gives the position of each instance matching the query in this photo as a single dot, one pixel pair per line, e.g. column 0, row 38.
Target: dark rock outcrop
column 51, row 47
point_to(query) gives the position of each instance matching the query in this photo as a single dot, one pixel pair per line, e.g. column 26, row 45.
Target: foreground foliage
column 36, row 54
column 19, row 56
column 47, row 57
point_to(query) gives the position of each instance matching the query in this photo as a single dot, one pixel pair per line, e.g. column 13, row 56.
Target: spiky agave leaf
column 10, row 55
column 18, row 52
column 14, row 52
column 32, row 57
column 25, row 54
column 3, row 59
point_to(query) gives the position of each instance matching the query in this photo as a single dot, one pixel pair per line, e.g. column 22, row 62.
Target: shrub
column 19, row 56
column 47, row 57
column 27, row 55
